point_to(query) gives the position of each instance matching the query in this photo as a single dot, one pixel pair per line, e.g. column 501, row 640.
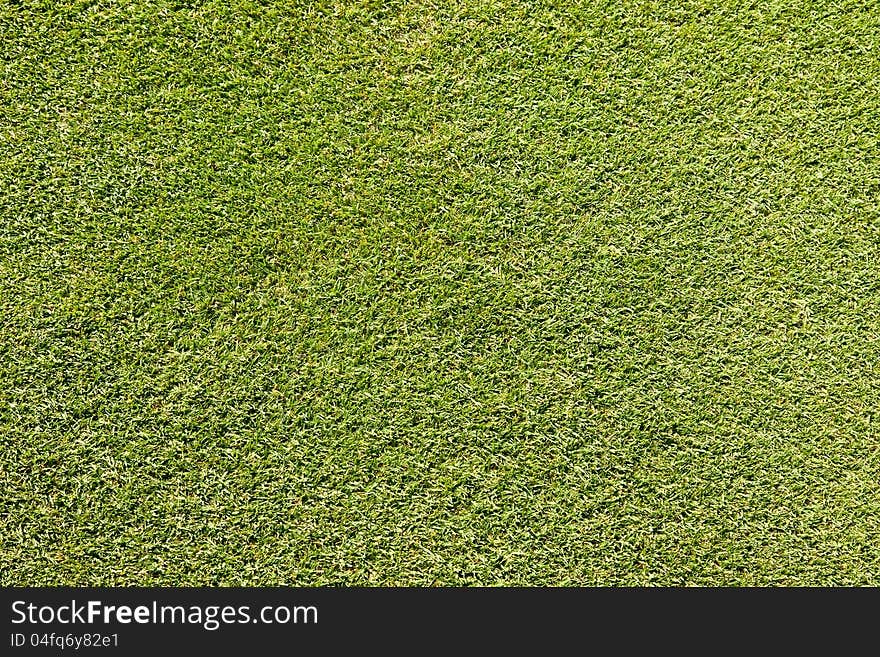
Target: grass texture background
column 444, row 292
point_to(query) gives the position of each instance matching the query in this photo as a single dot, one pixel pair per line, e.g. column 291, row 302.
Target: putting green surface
column 444, row 292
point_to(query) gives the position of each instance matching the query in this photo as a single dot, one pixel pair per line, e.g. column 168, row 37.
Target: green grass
column 442, row 292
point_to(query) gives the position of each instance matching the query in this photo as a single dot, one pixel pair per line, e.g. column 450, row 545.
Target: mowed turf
column 449, row 292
